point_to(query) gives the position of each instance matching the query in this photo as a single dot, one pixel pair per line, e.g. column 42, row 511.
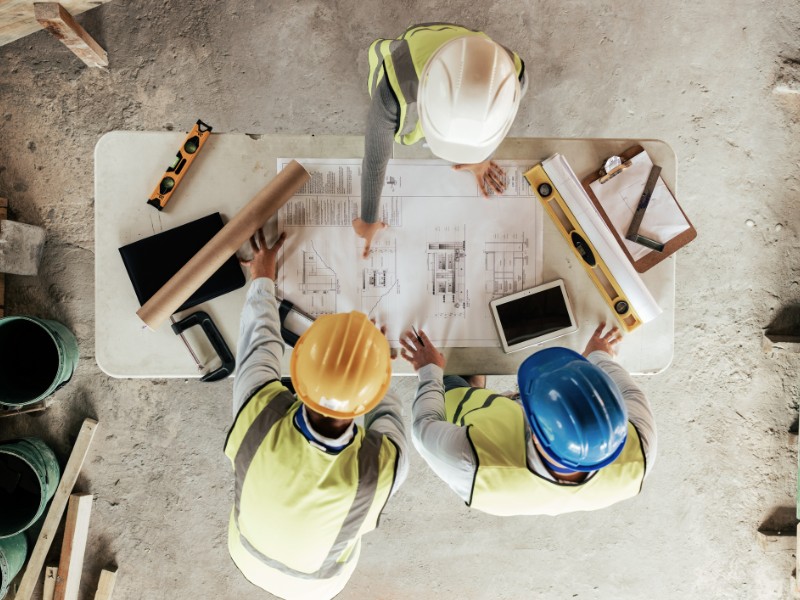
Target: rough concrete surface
column 701, row 76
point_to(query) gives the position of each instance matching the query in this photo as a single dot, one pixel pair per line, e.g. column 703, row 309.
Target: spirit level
column 597, row 269
column 183, row 160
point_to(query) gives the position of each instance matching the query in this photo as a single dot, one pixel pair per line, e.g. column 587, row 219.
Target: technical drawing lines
column 381, row 297
column 447, row 272
column 320, row 281
column 505, row 260
column 379, row 276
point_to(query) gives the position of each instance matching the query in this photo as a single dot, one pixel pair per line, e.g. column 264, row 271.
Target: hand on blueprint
column 367, row 231
column 392, row 351
column 605, row 343
column 420, row 351
column 265, row 259
column 489, row 175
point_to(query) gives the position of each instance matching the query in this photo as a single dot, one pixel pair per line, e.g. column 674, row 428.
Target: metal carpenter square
column 644, row 201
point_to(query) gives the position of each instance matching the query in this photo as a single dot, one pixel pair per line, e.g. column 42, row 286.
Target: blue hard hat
column 574, row 408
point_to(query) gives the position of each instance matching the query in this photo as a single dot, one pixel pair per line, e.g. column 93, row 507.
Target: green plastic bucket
column 29, row 476
column 37, row 356
column 13, row 552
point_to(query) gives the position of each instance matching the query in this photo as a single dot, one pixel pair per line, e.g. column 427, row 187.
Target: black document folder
column 151, row 262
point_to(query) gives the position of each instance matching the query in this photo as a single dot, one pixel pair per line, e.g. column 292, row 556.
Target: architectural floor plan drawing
column 505, row 259
column 447, row 251
column 447, row 266
column 380, row 286
column 317, row 282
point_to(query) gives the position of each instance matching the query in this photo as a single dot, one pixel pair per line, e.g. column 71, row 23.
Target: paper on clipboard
column 620, row 195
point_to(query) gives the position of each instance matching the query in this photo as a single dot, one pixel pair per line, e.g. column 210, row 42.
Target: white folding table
column 229, row 171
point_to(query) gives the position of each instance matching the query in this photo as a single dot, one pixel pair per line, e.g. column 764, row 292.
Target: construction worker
column 580, row 437
column 309, row 482
column 447, row 84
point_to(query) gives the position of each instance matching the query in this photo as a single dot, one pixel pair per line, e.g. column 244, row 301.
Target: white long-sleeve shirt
column 259, row 353
column 448, row 452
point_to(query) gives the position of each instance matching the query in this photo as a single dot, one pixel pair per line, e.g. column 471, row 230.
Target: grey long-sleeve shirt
column 445, row 446
column 259, row 353
column 383, row 120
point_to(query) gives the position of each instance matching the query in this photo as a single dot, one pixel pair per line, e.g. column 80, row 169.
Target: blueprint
column 447, row 251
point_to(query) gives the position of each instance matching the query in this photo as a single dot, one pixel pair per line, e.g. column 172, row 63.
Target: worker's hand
column 367, row 231
column 489, row 175
column 265, row 259
column 605, row 343
column 382, row 328
column 419, row 353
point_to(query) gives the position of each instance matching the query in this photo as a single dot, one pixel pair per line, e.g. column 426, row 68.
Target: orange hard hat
column 341, row 366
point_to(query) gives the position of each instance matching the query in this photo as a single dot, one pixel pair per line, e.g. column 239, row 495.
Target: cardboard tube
column 223, row 245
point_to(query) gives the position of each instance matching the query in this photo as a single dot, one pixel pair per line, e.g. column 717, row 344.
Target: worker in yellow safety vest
column 309, row 481
column 581, row 435
column 453, row 87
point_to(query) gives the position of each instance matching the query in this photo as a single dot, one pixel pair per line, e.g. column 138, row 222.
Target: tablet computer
column 533, row 316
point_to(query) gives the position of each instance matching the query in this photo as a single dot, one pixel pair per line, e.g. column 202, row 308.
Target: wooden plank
column 3, row 216
column 17, row 17
column 73, row 549
column 76, row 459
column 108, row 578
column 50, row 575
column 60, row 23
column 797, row 564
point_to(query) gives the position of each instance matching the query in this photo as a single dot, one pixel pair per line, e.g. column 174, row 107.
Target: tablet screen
column 533, row 316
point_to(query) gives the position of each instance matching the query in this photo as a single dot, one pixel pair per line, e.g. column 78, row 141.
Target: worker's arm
column 387, row 418
column 639, row 411
column 382, row 122
column 444, row 445
column 260, row 347
column 600, row 351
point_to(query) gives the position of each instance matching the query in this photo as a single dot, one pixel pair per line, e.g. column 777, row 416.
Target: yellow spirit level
column 583, row 248
column 183, row 160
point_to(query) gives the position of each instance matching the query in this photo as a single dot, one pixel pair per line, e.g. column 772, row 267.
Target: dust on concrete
column 713, row 82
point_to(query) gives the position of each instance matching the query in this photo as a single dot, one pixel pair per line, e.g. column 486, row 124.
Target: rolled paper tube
column 223, row 245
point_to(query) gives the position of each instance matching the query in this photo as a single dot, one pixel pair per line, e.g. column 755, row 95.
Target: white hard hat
column 468, row 97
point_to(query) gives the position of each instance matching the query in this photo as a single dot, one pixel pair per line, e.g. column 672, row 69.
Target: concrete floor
column 697, row 75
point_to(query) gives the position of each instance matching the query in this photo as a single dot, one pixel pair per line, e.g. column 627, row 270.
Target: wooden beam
column 76, row 459
column 73, row 549
column 108, row 577
column 50, row 575
column 60, row 23
column 17, row 19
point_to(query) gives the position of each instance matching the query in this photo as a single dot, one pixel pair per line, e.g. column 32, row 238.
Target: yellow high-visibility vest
column 504, row 485
column 299, row 512
column 401, row 61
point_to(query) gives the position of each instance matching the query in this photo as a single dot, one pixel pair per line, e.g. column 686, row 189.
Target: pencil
column 419, row 339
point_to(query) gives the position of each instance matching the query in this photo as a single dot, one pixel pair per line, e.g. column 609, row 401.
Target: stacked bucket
column 29, row 476
column 37, row 357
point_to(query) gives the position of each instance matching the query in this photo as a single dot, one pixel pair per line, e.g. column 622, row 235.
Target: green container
column 13, row 552
column 29, row 476
column 37, row 356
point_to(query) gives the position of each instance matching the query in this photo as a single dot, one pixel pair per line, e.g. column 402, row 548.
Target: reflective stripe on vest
column 269, row 414
column 504, row 485
column 401, row 60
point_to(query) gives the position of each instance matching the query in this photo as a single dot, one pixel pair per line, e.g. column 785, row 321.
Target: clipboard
column 648, row 260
